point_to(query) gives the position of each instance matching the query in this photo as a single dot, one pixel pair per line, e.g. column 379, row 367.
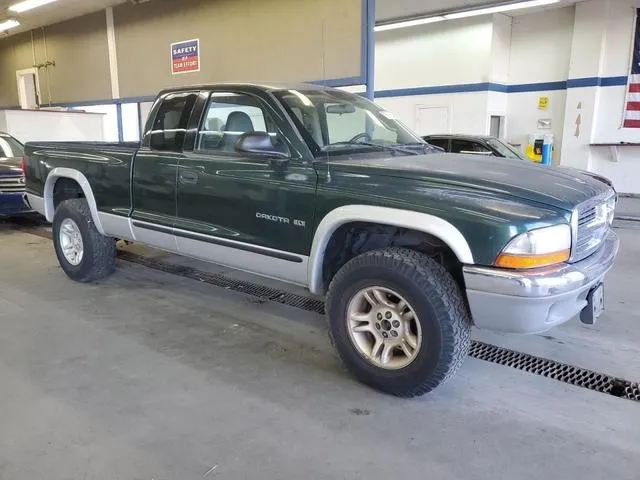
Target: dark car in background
column 12, row 186
column 475, row 145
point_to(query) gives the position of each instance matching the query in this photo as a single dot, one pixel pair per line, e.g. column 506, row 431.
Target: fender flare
column 422, row 222
column 63, row 172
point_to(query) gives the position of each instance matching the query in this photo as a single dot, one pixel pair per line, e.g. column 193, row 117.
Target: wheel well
column 353, row 239
column 66, row 189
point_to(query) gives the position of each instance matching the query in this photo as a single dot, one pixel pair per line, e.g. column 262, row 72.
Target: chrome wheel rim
column 71, row 242
column 384, row 328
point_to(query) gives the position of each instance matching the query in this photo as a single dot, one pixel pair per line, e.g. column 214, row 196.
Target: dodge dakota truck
column 409, row 247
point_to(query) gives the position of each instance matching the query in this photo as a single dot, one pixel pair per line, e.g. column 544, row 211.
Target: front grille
column 12, row 184
column 591, row 226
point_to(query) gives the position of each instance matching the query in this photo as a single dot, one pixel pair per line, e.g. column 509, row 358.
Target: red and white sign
column 185, row 56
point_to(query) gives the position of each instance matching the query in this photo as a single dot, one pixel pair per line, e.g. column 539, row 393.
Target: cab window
column 170, row 124
column 228, row 116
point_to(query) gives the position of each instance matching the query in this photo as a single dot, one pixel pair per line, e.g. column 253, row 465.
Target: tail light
column 23, row 165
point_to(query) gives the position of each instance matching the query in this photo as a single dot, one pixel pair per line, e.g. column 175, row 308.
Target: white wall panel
column 541, row 46
column 33, row 125
column 467, row 112
column 448, row 53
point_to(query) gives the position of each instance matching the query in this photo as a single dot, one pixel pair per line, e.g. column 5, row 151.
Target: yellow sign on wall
column 543, row 103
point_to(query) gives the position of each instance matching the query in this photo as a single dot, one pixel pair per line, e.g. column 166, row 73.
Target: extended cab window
column 229, row 115
column 170, row 125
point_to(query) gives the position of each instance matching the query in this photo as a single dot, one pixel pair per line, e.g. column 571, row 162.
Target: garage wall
column 15, row 54
column 606, row 28
column 540, row 57
column 427, row 66
column 315, row 40
column 79, row 48
column 447, row 53
column 320, row 40
column 460, row 113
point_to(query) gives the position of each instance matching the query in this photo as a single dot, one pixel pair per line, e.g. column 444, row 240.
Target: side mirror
column 261, row 143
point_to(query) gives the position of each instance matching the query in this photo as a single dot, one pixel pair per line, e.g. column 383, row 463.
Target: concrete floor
column 150, row 376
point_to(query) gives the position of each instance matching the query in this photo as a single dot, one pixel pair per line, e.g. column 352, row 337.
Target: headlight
column 610, row 209
column 537, row 248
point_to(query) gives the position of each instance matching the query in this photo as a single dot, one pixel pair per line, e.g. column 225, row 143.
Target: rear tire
column 427, row 333
column 83, row 253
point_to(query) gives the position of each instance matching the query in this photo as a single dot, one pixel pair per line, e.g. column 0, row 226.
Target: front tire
column 83, row 253
column 398, row 321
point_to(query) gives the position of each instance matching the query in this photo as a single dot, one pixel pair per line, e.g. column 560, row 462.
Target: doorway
column 496, row 126
column 28, row 88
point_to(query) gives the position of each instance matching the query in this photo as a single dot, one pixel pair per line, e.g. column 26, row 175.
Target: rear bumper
column 533, row 302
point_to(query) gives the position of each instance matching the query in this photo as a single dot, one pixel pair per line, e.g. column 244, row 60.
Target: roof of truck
column 266, row 86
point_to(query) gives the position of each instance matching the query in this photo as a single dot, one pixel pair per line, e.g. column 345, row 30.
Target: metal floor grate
column 573, row 375
column 570, row 374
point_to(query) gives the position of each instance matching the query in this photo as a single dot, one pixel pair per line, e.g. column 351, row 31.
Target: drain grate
column 573, row 375
column 570, row 374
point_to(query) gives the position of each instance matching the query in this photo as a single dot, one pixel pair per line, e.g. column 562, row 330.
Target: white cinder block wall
column 416, row 67
column 454, row 75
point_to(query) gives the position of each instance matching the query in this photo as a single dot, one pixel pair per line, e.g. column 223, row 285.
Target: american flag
column 632, row 110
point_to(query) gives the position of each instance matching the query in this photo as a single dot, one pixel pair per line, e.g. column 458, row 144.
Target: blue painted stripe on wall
column 537, row 87
column 497, row 87
column 404, row 92
column 583, row 82
column 614, row 81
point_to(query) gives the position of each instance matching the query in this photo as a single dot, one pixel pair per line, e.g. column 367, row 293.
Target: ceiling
column 52, row 13
column 392, row 9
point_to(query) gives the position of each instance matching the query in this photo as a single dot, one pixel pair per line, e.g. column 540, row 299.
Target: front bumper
column 535, row 301
column 13, row 204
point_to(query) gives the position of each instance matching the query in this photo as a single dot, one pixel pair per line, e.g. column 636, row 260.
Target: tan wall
column 15, row 54
column 79, row 48
column 240, row 40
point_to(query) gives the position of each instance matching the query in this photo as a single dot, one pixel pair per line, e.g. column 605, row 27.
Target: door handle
column 187, row 176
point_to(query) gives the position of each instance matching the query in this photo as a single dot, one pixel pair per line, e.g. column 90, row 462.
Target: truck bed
column 106, row 165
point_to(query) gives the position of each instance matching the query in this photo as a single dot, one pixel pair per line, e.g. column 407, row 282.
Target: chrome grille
column 12, row 184
column 591, row 224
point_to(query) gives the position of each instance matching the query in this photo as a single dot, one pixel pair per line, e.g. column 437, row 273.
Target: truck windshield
column 333, row 122
column 505, row 149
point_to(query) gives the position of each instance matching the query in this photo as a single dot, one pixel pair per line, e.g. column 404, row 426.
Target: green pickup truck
column 321, row 188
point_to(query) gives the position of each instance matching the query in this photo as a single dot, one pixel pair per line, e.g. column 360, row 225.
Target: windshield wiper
column 379, row 146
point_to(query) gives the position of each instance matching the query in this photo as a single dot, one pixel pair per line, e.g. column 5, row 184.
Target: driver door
column 245, row 211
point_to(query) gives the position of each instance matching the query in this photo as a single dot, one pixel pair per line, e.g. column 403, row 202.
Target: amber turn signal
column 506, row 260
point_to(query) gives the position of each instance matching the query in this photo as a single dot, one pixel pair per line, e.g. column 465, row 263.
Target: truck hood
column 10, row 166
column 547, row 185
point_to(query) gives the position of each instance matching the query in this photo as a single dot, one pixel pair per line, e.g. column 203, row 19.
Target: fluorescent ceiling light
column 28, row 5
column 500, row 9
column 467, row 13
column 407, row 23
column 7, row 24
